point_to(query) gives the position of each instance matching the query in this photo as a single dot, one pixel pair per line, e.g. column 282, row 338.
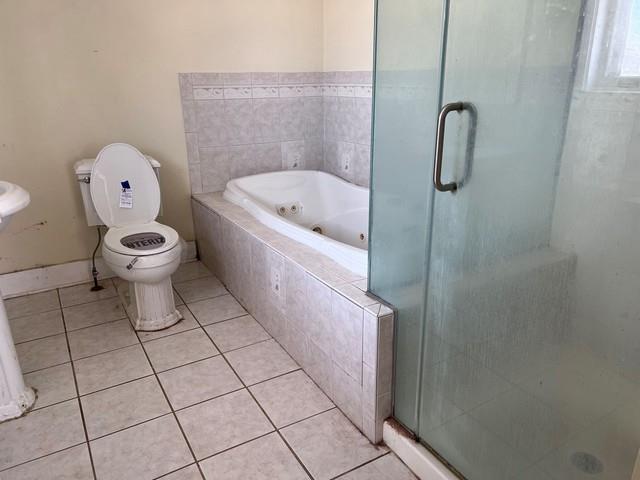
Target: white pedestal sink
column 15, row 397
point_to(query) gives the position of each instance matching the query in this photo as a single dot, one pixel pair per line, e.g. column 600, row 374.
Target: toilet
column 125, row 193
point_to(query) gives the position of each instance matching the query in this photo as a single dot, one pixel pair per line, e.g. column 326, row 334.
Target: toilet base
column 154, row 305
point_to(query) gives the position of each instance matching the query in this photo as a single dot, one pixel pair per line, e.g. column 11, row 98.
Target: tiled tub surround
column 316, row 309
column 239, row 124
column 211, row 397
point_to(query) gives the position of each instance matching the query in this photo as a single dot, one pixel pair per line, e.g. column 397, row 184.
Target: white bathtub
column 295, row 202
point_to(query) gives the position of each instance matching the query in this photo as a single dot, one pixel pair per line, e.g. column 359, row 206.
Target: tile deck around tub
column 118, row 404
column 318, row 311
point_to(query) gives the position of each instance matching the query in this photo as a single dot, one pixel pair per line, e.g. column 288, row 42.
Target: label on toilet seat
column 126, row 195
column 143, row 241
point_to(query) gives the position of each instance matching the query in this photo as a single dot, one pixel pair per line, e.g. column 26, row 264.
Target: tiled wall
column 313, row 307
column 347, row 125
column 239, row 124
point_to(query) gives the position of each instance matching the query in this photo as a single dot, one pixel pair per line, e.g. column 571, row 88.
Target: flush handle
column 437, row 165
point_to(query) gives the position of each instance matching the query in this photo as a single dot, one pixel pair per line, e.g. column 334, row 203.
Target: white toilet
column 125, row 193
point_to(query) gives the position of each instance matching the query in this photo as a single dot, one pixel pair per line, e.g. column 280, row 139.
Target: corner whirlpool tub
column 315, row 208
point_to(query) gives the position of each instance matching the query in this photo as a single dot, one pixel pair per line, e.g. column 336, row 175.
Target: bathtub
column 315, row 208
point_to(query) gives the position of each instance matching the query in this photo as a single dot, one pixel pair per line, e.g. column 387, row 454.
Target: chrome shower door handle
column 437, row 165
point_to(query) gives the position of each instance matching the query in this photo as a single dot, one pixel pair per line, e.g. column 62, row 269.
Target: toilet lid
column 124, row 188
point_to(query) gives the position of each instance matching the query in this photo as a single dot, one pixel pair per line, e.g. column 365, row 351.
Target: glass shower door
column 407, row 89
column 497, row 293
column 517, row 291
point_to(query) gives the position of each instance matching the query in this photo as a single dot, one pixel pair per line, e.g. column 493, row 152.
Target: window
column 614, row 56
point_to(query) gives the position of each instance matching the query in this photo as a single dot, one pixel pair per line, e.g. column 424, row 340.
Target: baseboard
column 55, row 276
column 424, row 464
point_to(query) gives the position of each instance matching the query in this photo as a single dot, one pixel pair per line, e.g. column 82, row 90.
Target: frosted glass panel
column 497, row 292
column 406, row 101
column 517, row 341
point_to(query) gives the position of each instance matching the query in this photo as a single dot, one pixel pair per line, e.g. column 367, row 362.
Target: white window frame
column 609, row 28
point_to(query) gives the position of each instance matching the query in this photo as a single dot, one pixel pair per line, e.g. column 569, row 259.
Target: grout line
column 75, row 381
column 245, row 314
column 165, row 475
column 106, row 351
column 205, row 298
column 262, row 435
column 173, row 412
column 40, row 338
column 299, row 369
column 248, row 345
column 170, row 334
column 137, row 424
column 263, row 411
column 34, row 313
column 362, row 465
column 115, row 295
column 43, row 456
column 50, row 366
column 96, row 325
column 52, row 404
column 115, row 385
column 307, row 418
column 160, row 372
column 181, row 409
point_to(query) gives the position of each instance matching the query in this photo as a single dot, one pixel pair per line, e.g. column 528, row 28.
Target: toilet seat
column 144, row 245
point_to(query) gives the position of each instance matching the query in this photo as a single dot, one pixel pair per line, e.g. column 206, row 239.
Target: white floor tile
column 53, row 384
column 36, row 326
column 39, row 433
column 329, row 445
column 199, row 289
column 42, row 353
column 176, row 350
column 112, row 368
column 101, row 338
column 31, row 304
column 198, row 381
column 94, row 313
column 222, row 423
column 266, row 458
column 78, row 294
column 71, row 464
column 120, row 407
column 216, row 309
column 237, row 333
column 290, row 398
column 261, row 361
column 142, row 452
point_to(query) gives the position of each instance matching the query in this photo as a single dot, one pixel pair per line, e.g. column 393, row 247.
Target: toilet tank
column 82, row 169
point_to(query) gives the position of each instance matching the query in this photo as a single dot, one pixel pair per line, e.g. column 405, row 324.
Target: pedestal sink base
column 15, row 397
column 18, row 406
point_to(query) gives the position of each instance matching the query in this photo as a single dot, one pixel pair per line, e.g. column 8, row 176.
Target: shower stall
column 505, row 229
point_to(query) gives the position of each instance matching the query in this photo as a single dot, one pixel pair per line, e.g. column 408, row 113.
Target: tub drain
column 587, row 463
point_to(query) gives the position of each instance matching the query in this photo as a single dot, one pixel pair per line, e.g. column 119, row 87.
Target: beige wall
column 348, row 35
column 78, row 74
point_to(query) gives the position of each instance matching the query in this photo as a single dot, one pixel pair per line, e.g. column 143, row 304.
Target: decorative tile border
column 210, row 92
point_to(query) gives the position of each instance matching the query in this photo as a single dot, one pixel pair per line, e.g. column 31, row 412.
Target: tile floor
column 213, row 397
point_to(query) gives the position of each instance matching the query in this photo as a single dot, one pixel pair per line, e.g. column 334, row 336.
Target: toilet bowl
column 126, row 195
